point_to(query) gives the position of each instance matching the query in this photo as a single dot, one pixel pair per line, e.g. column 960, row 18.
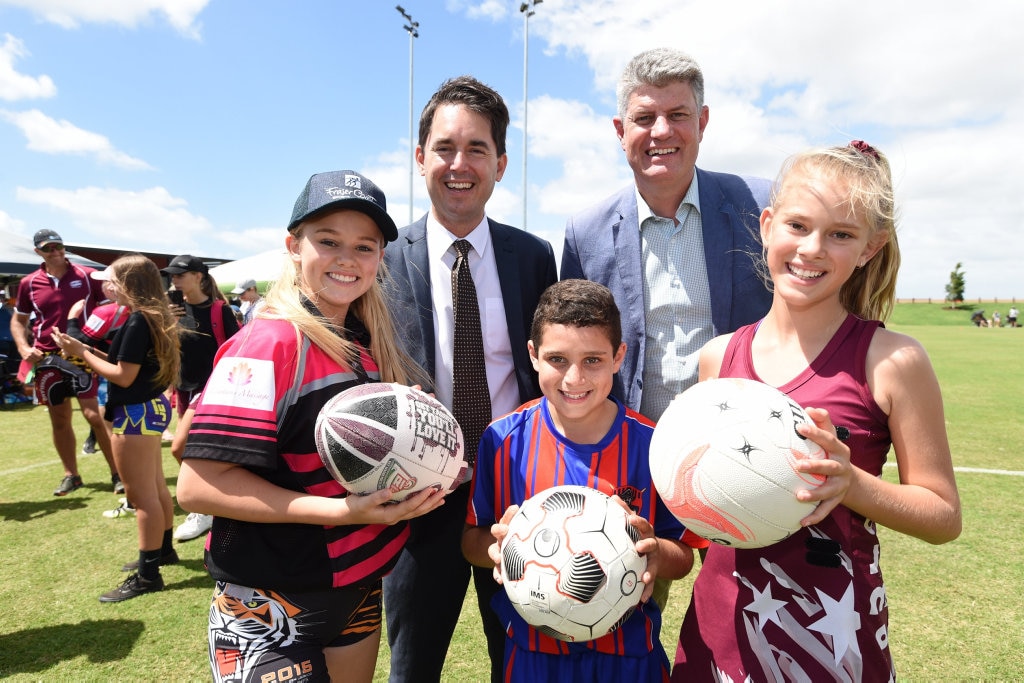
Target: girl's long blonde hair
column 139, row 281
column 870, row 293
column 284, row 301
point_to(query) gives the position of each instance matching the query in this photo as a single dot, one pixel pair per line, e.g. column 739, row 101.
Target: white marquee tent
column 265, row 268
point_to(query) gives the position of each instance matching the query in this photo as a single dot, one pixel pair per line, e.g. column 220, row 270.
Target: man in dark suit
column 461, row 154
column 679, row 247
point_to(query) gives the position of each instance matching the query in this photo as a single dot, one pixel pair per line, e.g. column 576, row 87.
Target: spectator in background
column 98, row 331
column 142, row 361
column 48, row 294
column 997, row 320
column 249, row 295
column 207, row 322
column 1011, row 316
column 7, row 346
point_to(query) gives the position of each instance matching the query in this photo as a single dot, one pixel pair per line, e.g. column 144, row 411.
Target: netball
column 722, row 458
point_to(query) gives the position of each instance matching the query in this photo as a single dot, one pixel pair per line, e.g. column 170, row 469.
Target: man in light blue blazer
column 678, row 248
column 461, row 155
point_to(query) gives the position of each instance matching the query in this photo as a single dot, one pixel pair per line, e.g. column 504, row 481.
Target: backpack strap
column 217, row 322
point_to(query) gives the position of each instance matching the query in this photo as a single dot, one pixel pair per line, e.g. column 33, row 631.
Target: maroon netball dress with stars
column 812, row 607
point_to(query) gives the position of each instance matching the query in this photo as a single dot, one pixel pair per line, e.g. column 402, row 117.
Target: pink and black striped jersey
column 258, row 410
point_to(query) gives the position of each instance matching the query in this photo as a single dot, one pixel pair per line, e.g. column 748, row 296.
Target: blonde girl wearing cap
column 143, row 359
column 298, row 563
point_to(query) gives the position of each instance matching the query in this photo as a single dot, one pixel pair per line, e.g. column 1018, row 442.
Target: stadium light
column 527, row 9
column 413, row 28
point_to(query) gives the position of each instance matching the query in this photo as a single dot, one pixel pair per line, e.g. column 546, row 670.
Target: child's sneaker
column 131, row 587
column 195, row 525
column 125, row 509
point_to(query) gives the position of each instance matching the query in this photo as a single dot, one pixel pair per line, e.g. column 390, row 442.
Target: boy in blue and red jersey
column 577, row 433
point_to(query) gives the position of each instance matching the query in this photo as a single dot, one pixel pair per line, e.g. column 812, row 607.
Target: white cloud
column 70, row 14
column 118, row 217
column 49, row 136
column 15, row 86
column 12, row 225
column 492, row 10
column 584, row 145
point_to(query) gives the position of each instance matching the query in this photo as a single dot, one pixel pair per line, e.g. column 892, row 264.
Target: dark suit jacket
column 526, row 267
column 602, row 244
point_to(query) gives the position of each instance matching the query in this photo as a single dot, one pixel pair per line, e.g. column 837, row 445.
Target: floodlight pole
column 412, row 27
column 527, row 9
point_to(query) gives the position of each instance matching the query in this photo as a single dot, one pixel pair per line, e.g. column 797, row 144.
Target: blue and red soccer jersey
column 259, row 410
column 522, row 454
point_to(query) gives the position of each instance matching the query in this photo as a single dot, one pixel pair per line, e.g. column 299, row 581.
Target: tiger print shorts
column 267, row 636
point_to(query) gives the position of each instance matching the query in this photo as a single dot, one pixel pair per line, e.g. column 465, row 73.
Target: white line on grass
column 28, row 468
column 977, row 470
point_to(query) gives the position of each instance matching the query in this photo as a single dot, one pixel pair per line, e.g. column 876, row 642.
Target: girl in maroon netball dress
column 813, row 607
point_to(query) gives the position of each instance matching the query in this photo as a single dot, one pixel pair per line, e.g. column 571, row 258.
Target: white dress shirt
column 501, row 379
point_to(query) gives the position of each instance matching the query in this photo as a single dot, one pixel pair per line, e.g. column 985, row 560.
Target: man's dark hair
column 475, row 96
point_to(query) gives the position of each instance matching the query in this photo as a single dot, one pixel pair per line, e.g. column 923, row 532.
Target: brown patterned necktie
column 471, row 400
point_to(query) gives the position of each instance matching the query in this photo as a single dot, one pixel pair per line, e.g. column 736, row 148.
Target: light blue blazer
column 602, row 244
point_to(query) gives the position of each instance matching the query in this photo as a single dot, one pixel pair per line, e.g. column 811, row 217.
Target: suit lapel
column 512, row 298
column 716, row 219
column 626, row 243
column 629, row 262
column 416, row 262
column 626, row 238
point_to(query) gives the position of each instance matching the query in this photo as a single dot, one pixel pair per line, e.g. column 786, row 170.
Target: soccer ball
column 569, row 563
column 722, row 459
column 390, row 436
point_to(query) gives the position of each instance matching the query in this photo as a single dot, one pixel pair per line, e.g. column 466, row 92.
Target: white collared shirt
column 677, row 300
column 501, row 379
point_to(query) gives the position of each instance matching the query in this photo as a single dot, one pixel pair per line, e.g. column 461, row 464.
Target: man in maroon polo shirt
column 48, row 294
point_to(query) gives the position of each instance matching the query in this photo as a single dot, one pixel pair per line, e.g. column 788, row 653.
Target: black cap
column 335, row 190
column 186, row 263
column 44, row 237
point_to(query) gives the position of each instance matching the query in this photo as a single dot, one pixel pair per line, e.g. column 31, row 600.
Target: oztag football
column 390, row 436
column 569, row 564
column 722, row 458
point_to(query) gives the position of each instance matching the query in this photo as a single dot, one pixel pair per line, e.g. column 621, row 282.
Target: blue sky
column 191, row 125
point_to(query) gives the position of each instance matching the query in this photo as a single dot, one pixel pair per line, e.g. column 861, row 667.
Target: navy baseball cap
column 186, row 263
column 44, row 237
column 336, row 190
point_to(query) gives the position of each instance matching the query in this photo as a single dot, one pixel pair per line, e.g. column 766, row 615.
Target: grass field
column 956, row 611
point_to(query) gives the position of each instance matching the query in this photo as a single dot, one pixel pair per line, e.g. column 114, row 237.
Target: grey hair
column 659, row 67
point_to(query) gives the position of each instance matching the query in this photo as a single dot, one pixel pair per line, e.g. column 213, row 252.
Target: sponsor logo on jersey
column 241, row 382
